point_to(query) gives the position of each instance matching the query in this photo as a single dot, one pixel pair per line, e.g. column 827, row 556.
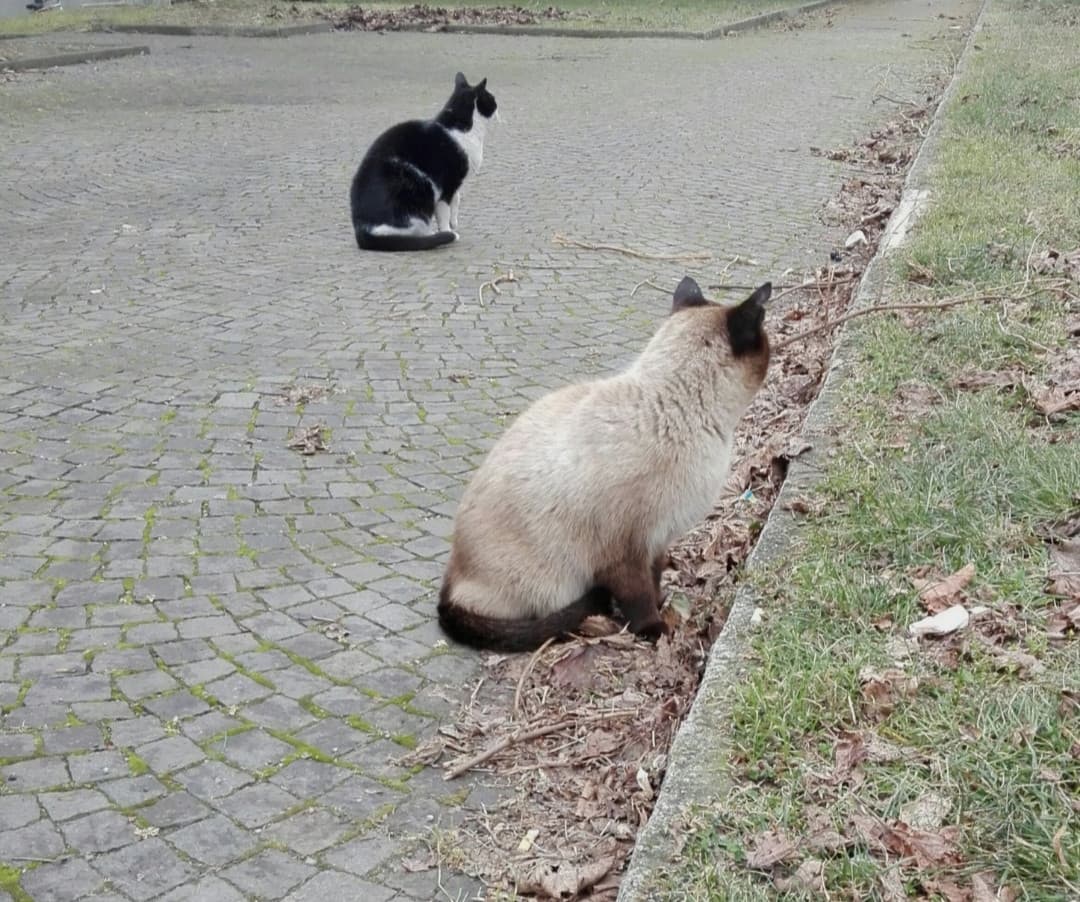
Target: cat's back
column 406, row 140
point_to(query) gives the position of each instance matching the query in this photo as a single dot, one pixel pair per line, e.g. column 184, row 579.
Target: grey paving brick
column 102, row 831
column 309, row 831
column 95, row 767
column 144, row 870
column 362, row 856
column 256, row 805
column 173, row 810
column 214, row 841
column 41, row 773
column 37, row 840
column 269, row 875
column 18, row 811
column 209, row 889
column 62, row 806
column 335, row 885
column 62, row 881
column 131, row 791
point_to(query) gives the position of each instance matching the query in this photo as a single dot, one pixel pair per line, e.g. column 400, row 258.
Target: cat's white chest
column 472, row 141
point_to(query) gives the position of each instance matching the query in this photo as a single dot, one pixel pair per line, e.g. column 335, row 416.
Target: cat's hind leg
column 455, row 203
column 444, row 216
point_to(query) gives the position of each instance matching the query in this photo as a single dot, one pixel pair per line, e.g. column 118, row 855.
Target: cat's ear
column 744, row 322
column 687, row 294
column 459, row 81
column 483, row 84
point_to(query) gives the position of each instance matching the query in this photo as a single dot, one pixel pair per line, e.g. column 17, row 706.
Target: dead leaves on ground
column 936, row 596
column 436, row 18
column 309, row 440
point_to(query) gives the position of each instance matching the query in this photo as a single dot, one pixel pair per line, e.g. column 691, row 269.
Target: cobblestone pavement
column 213, row 647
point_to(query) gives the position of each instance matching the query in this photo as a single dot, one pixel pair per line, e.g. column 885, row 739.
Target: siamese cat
column 576, row 504
column 406, row 194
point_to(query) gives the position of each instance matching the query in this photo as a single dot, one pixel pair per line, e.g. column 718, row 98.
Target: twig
column 525, row 673
column 888, row 308
column 525, row 735
column 897, row 101
column 816, row 283
column 651, row 284
column 564, row 241
column 494, row 284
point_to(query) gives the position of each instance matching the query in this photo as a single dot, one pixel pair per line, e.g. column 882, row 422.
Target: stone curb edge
column 693, row 778
column 749, row 24
column 73, row 58
column 222, row 31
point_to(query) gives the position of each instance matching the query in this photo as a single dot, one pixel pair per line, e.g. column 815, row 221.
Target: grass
column 694, row 15
column 967, row 477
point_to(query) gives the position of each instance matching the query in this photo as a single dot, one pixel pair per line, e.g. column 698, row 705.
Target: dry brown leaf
column 565, row 881
column 601, row 742
column 809, row 877
column 1064, row 575
column 984, row 888
column 770, row 847
column 947, row 889
column 939, row 596
column 1009, row 658
column 972, row 380
column 881, row 691
column 850, row 752
column 309, row 440
column 928, row 848
column 577, row 668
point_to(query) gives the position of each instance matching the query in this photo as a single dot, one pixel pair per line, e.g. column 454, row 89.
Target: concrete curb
column 73, row 58
column 223, row 31
column 694, row 776
column 506, row 30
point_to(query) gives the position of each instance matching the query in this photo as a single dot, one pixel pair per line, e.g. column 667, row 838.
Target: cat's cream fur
column 587, row 489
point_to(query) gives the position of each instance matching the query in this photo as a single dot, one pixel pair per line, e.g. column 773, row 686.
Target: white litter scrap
column 948, row 621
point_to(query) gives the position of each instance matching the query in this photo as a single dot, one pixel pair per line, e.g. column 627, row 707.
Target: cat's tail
column 369, row 241
column 517, row 634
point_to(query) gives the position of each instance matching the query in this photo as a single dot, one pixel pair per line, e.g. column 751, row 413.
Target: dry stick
column 494, row 284
column 887, row 308
column 525, row 673
column 563, row 241
column 524, row 735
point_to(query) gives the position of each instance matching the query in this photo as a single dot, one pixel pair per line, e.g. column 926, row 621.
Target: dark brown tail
column 519, row 634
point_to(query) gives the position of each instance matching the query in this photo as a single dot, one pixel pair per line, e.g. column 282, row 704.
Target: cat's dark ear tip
column 482, row 83
column 459, row 80
column 687, row 294
column 762, row 293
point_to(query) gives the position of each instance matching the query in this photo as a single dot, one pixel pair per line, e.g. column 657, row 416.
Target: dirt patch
column 433, row 18
column 580, row 731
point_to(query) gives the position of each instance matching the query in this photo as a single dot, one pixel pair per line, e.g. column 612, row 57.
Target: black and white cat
column 406, row 193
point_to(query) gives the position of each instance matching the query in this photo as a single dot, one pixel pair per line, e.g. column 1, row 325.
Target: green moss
column 136, row 765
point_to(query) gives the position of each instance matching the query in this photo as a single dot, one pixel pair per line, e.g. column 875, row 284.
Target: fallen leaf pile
column 432, row 18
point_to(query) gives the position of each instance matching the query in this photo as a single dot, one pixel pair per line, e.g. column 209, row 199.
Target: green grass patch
column 136, row 765
column 929, row 475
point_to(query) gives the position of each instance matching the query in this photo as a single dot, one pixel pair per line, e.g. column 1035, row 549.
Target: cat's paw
column 455, row 234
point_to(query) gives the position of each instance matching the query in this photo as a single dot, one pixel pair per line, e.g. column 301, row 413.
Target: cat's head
column 467, row 98
column 721, row 335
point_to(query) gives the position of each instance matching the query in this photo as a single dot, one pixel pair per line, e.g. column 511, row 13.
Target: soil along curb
column 73, row 58
column 695, row 765
column 222, row 31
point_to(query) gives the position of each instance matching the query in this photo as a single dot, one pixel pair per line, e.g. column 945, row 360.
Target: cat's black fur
column 414, row 166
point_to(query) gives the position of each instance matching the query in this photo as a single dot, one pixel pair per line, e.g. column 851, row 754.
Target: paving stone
column 209, row 889
column 71, row 739
column 363, row 855
column 309, row 831
column 40, row 773
column 215, row 841
column 143, row 685
column 269, row 875
column 132, row 791
column 169, row 753
column 256, row 805
column 306, row 779
column 62, row 881
column 37, row 840
column 61, row 806
column 102, row 831
column 212, row 780
column 237, row 689
column 335, row 885
column 17, row 745
column 18, row 811
column 144, row 870
column 255, row 749
column 136, row 731
column 97, row 766
column 173, row 810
